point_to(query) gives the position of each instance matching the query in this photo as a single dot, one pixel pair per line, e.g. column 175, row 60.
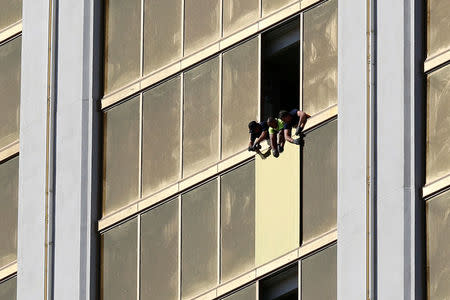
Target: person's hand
column 250, row 148
column 299, row 142
column 275, row 153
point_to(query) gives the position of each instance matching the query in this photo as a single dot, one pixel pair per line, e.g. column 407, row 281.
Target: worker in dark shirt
column 258, row 133
column 294, row 118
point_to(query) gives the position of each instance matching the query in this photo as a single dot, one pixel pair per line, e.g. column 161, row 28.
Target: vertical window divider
column 181, row 121
column 179, row 246
column 301, row 63
column 260, row 9
column 220, row 103
column 299, row 278
column 141, row 71
column 257, row 289
column 141, row 130
column 183, row 27
column 219, row 178
column 138, row 260
column 221, row 17
column 259, row 75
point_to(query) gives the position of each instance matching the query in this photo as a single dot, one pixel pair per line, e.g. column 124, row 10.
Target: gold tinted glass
column 9, row 184
column 438, row 247
column 121, row 155
column 240, row 95
column 201, row 23
column 277, row 206
column 199, row 239
column 119, row 262
column 10, row 12
column 161, row 136
column 10, row 54
column 237, row 201
column 8, row 289
column 162, row 33
column 319, row 207
column 438, row 26
column 122, row 42
column 320, row 57
column 159, row 252
column 319, row 275
column 438, row 124
column 248, row 293
column 269, row 6
column 201, row 117
column 238, row 13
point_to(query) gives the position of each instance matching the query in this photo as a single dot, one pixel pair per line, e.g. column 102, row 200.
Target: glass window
column 269, row 6
column 277, row 204
column 247, row 293
column 201, row 117
column 281, row 286
column 438, row 124
column 438, row 250
column 8, row 289
column 240, row 95
column 121, row 155
column 320, row 57
column 10, row 54
column 9, row 183
column 238, row 13
column 237, row 200
column 319, row 207
column 199, row 239
column 438, row 26
column 162, row 33
column 159, row 252
column 319, row 275
column 122, row 42
column 201, row 23
column 10, row 12
column 161, row 136
column 119, row 262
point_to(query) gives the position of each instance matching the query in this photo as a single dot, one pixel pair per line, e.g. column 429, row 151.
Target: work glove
column 250, row 148
column 275, row 153
column 280, row 148
column 298, row 130
column 299, row 142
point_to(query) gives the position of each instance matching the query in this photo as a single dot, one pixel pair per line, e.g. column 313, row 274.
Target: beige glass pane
column 247, row 293
column 201, row 23
column 199, row 240
column 121, row 155
column 269, row 6
column 277, row 204
column 8, row 289
column 161, row 136
column 122, row 42
column 240, row 95
column 438, row 247
column 238, row 13
column 201, row 117
column 438, row 124
column 162, row 33
column 9, row 184
column 320, row 57
column 10, row 12
column 319, row 275
column 237, row 200
column 119, row 262
column 159, row 252
column 319, row 207
column 10, row 54
column 438, row 27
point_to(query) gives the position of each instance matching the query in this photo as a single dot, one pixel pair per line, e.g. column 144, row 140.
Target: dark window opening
column 281, row 286
column 280, row 69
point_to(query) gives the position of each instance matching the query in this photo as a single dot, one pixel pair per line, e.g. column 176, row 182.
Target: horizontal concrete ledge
column 11, row 31
column 8, row 271
column 9, row 151
column 435, row 186
column 437, row 60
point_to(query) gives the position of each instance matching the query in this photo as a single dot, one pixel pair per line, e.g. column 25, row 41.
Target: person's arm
column 287, row 136
column 273, row 140
column 250, row 144
column 303, row 117
column 261, row 138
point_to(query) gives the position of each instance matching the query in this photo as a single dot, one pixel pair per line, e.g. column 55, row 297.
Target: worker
column 258, row 133
column 276, row 134
column 294, row 118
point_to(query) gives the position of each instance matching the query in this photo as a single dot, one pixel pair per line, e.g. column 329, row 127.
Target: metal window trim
column 8, row 271
column 11, row 31
column 9, row 151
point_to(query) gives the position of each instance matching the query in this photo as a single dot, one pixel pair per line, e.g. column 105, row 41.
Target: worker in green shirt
column 276, row 135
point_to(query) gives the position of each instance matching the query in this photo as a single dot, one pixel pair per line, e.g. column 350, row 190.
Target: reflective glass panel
column 438, row 26
column 438, row 246
column 201, row 117
column 159, row 252
column 119, row 262
column 438, row 124
column 247, row 293
column 320, row 57
column 201, row 23
column 162, row 33
column 269, row 6
column 122, row 42
column 319, row 275
column 277, row 204
column 319, row 207
column 9, row 184
column 121, row 155
column 161, row 136
column 238, row 13
column 199, row 239
column 8, row 289
column 240, row 95
column 281, row 286
column 10, row 12
column 237, row 200
column 10, row 54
